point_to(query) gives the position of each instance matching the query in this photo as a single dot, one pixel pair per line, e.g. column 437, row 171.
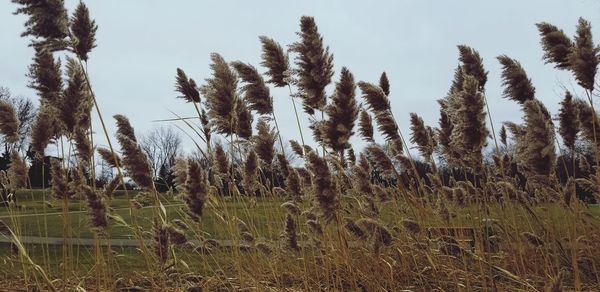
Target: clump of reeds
column 75, row 105
column 354, row 229
column 517, row 86
column 283, row 165
column 384, row 83
column 297, row 148
column 276, row 61
column 362, row 175
column 97, row 208
column 191, row 181
column 18, row 171
column 221, row 160
column 579, row 56
column 112, row 186
column 48, row 21
column 583, row 58
column 351, row 156
column 469, row 134
column 365, row 126
column 256, row 93
column 43, row 129
column 315, row 65
column 113, row 159
column 378, row 234
column 292, row 184
column 291, row 207
column 423, row 136
column 324, row 186
column 568, row 119
column 535, row 140
column 472, row 65
column 503, row 136
column 45, row 77
column 462, row 131
column 187, row 87
column 134, row 160
column 444, row 132
column 60, row 187
column 556, row 44
column 341, row 115
column 161, row 242
column 221, row 92
column 380, row 159
column 290, row 236
column 589, row 121
column 77, row 181
column 243, row 120
column 380, row 105
column 264, row 141
column 250, row 173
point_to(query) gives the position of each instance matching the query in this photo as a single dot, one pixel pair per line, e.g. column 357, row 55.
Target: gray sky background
column 141, row 43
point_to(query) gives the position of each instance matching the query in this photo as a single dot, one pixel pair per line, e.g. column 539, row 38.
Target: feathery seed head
column 276, row 61
column 517, row 86
column 315, row 65
column 135, row 160
column 59, row 180
column 18, row 171
column 113, row 159
column 472, row 64
column 583, row 58
column 196, row 190
column 221, row 92
column 341, row 113
column 83, row 29
column 569, row 125
column 48, row 20
column 256, row 93
column 421, row 136
column 325, row 188
column 250, row 172
column 243, row 120
column 556, row 44
column 365, row 126
column 187, row 87
column 264, row 141
column 384, row 83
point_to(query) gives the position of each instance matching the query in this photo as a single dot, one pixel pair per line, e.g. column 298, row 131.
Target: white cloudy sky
column 142, row 42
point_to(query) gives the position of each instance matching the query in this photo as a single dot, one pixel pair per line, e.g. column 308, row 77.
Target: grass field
column 264, row 214
column 264, row 217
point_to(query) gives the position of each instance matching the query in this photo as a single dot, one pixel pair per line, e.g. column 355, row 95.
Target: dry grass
column 247, row 221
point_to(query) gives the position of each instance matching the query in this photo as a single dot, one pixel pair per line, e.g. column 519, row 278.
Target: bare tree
column 162, row 145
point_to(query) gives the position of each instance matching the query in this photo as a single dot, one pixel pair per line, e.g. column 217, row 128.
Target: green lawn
column 39, row 215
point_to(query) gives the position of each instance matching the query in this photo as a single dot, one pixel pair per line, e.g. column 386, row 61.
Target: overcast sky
column 142, row 42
